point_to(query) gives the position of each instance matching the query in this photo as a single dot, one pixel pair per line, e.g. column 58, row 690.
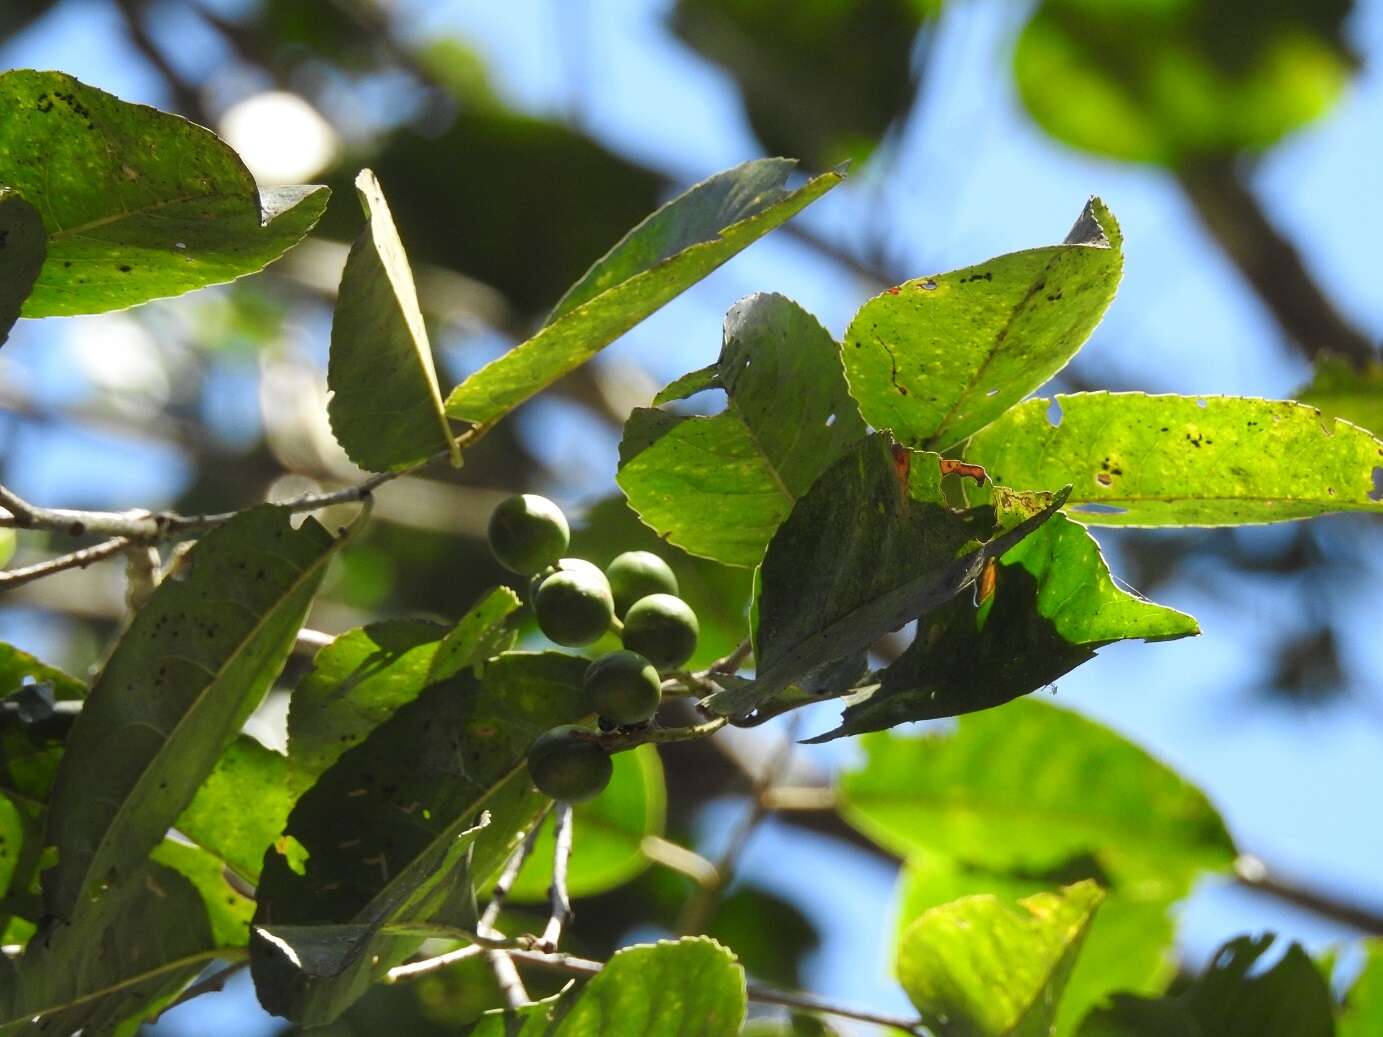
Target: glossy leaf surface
column 720, row 486
column 138, row 204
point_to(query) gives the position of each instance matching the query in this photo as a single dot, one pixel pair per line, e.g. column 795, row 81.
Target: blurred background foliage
column 517, row 145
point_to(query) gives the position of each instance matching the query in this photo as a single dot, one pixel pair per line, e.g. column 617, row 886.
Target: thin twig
column 508, row 978
column 506, row 975
column 147, row 527
column 560, row 913
column 617, row 741
column 733, row 661
column 510, row 875
column 75, row 560
column 678, row 858
column 1252, row 873
column 767, row 995
column 142, row 565
column 813, row 807
column 1271, row 264
column 701, row 903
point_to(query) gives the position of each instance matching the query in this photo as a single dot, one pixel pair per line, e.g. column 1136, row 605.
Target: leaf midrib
column 211, row 954
column 1036, row 286
column 298, row 583
column 83, row 228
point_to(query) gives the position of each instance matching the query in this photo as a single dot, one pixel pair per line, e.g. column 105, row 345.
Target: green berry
column 528, row 532
column 624, row 687
column 561, row 565
column 565, row 764
column 662, row 628
column 574, row 607
column 637, row 574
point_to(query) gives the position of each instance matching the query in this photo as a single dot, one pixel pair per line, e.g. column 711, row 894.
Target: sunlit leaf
column 365, row 675
column 1138, row 460
column 659, row 259
column 719, row 486
column 138, row 204
column 228, row 910
column 193, row 665
column 982, row 968
column 219, row 819
column 1173, row 82
column 386, row 406
column 938, row 358
column 1342, row 390
column 692, row 987
column 1362, row 1015
column 1029, row 787
column 1127, row 947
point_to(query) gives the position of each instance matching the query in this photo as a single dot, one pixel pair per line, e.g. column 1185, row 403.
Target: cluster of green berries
column 576, row 603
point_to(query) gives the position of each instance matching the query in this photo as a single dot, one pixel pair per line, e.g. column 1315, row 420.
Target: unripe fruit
column 528, row 532
column 637, row 574
column 567, row 766
column 623, row 687
column 574, row 607
column 663, row 629
column 561, row 565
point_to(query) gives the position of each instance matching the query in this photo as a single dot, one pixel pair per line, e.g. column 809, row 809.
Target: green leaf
column 719, row 486
column 656, row 261
column 982, row 969
column 938, row 358
column 607, row 832
column 381, row 826
column 1126, row 948
column 356, row 682
column 1171, row 83
column 23, row 245
column 194, row 663
column 1231, row 999
column 1341, row 390
column 32, row 732
column 227, row 909
column 364, row 676
column 864, row 553
column 138, row 204
column 120, row 959
column 691, row 383
column 17, row 666
column 481, row 633
column 320, row 970
column 691, row 987
column 1028, row 787
column 1138, row 460
column 386, row 407
column 217, row 819
column 1362, row 1015
column 1045, row 609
